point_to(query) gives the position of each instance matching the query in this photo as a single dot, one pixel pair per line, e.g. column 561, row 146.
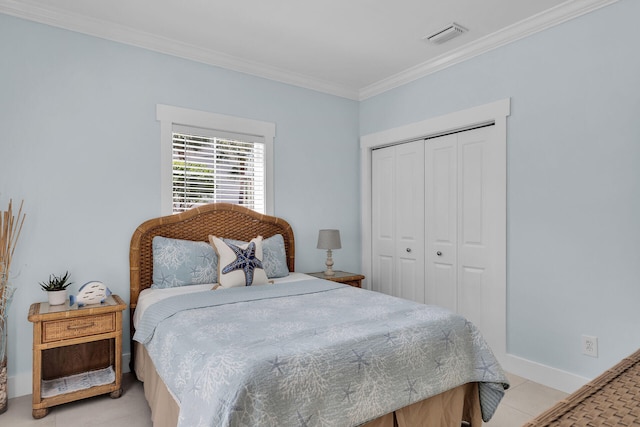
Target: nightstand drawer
column 350, row 279
column 57, row 330
column 354, row 283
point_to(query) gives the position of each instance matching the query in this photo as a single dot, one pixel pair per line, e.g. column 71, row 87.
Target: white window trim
column 169, row 115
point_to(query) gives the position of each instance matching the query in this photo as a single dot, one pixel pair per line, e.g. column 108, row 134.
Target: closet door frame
column 493, row 113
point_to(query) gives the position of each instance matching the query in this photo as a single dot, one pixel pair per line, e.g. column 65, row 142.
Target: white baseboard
column 20, row 385
column 542, row 374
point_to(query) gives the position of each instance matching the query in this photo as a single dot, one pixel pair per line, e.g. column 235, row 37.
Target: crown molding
column 539, row 22
column 110, row 31
column 126, row 35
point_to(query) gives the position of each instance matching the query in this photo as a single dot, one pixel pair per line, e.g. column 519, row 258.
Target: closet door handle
column 439, row 253
column 409, row 250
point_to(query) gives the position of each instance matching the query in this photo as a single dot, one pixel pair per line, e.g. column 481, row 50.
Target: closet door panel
column 383, row 273
column 409, row 191
column 383, row 220
column 441, row 165
column 398, row 220
column 476, row 222
column 470, row 293
column 471, row 192
column 409, row 285
column 442, row 288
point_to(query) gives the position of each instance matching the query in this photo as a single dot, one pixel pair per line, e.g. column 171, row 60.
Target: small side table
column 68, row 340
column 350, row 279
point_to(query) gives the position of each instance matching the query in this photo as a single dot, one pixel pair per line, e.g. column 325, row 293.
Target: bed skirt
column 611, row 399
column 450, row 408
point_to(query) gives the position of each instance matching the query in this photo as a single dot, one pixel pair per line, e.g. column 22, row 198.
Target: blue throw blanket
column 310, row 353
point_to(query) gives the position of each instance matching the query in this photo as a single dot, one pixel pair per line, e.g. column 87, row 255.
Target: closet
column 436, row 221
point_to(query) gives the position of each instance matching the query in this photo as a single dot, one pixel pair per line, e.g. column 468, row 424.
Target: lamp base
column 329, row 263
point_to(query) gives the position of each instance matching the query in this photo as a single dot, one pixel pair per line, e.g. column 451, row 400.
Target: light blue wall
column 81, row 145
column 573, row 197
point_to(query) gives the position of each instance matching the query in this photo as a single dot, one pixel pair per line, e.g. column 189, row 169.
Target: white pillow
column 239, row 265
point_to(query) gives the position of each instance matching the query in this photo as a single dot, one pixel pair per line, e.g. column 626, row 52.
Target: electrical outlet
column 590, row 346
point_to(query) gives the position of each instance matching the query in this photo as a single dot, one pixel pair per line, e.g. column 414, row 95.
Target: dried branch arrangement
column 10, row 228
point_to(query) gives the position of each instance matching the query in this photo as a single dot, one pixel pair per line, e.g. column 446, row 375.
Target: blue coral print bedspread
column 310, row 353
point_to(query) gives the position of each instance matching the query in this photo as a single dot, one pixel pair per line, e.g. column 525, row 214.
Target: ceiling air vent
column 447, row 33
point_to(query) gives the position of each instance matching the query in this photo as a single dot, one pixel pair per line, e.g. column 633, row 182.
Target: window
column 209, row 157
column 207, row 167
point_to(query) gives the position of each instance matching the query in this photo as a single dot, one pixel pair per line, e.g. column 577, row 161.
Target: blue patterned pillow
column 182, row 262
column 274, row 259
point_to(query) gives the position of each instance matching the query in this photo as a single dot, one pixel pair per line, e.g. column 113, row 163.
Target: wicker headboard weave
column 219, row 219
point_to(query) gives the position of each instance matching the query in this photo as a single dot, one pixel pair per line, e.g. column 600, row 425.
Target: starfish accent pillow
column 239, row 265
column 274, row 260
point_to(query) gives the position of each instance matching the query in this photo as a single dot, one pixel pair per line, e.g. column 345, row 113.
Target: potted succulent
column 56, row 288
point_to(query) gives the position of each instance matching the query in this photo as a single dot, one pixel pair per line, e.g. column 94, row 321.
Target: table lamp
column 329, row 240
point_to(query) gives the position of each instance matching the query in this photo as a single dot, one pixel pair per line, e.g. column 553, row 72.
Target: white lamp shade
column 329, row 239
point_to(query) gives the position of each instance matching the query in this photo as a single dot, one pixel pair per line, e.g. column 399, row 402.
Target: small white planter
column 57, row 297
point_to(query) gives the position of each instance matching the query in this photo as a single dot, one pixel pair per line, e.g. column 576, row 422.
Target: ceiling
column 350, row 48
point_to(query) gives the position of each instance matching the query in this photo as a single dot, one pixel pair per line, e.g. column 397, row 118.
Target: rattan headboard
column 220, row 219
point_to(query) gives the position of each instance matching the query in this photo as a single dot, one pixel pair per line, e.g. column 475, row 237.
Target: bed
column 298, row 350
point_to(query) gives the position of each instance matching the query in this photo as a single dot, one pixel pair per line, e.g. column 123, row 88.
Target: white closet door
column 409, row 205
column 383, row 221
column 441, row 182
column 481, row 229
column 398, row 221
column 462, row 186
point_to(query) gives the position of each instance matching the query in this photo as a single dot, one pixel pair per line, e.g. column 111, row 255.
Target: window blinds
column 211, row 166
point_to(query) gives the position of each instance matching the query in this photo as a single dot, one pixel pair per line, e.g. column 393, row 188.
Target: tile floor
column 523, row 401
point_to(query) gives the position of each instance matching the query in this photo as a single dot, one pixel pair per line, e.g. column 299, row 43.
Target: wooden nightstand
column 342, row 277
column 68, row 340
